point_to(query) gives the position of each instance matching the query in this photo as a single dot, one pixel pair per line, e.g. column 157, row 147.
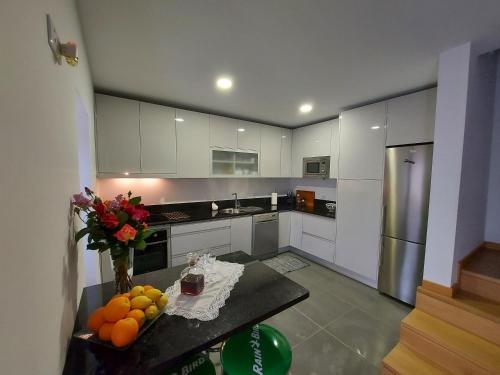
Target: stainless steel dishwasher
column 265, row 233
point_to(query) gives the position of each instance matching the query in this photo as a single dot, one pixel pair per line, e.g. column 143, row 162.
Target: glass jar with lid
column 193, row 276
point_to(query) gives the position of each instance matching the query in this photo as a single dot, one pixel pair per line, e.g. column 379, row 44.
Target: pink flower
column 126, row 233
column 81, row 201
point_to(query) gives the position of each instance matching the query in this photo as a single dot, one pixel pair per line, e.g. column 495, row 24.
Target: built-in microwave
column 316, row 167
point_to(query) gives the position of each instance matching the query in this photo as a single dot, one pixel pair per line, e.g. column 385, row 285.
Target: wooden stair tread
column 469, row 346
column 402, row 360
column 470, row 302
column 484, row 262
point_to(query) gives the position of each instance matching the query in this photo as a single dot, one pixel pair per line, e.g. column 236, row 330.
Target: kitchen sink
column 241, row 210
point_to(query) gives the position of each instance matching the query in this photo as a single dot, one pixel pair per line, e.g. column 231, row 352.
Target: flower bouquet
column 118, row 225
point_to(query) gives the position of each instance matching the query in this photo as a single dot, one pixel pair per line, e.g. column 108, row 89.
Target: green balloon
column 198, row 364
column 259, row 350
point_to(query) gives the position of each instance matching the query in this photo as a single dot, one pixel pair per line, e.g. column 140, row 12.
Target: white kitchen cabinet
column 296, row 230
column 319, row 226
column 270, row 151
column 334, row 149
column 410, row 118
column 318, row 139
column 158, row 139
column 298, row 150
column 223, row 132
column 208, row 235
column 359, row 217
column 362, row 142
column 117, row 135
column 193, row 149
column 319, row 247
column 286, row 152
column 310, row 141
column 241, row 234
column 248, row 136
column 284, row 229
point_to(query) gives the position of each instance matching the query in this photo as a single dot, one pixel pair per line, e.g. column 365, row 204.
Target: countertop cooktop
column 176, row 213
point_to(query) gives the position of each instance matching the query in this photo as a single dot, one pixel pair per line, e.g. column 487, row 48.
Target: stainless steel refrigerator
column 407, row 182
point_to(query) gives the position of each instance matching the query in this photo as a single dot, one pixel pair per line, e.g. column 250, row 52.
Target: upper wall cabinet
column 362, row 142
column 248, row 136
column 270, row 151
column 117, row 135
column 192, row 144
column 334, row 149
column 318, row 139
column 223, row 132
column 410, row 118
column 312, row 140
column 158, row 139
column 286, row 152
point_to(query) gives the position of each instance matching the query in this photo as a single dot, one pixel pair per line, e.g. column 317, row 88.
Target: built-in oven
column 156, row 255
column 316, row 167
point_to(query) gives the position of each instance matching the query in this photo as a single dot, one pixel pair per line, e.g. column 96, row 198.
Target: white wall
column 161, row 191
column 40, row 272
column 461, row 156
column 492, row 230
column 471, row 216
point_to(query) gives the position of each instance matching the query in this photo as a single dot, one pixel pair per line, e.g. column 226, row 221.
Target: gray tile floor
column 344, row 327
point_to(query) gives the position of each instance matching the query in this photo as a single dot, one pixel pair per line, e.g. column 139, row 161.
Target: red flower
column 100, row 208
column 109, row 220
column 137, row 213
column 126, row 233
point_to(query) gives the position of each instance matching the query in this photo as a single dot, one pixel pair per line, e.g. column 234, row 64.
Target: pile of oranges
column 122, row 317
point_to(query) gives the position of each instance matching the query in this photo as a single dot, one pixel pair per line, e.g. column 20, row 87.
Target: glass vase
column 123, row 267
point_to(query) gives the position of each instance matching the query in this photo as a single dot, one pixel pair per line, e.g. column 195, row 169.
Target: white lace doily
column 205, row 306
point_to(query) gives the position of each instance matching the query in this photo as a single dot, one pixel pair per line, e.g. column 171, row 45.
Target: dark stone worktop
column 200, row 211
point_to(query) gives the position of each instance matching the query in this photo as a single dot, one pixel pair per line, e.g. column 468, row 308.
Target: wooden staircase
column 454, row 330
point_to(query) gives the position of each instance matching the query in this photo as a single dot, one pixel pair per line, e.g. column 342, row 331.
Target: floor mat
column 284, row 263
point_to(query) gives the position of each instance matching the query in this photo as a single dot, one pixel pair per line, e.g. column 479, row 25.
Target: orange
column 127, row 295
column 116, row 309
column 96, row 320
column 116, row 296
column 124, row 332
column 105, row 331
column 147, row 287
column 138, row 315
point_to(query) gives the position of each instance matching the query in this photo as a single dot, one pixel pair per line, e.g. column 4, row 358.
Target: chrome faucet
column 236, row 202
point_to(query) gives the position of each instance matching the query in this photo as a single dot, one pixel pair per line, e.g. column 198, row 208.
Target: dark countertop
column 199, row 211
column 259, row 294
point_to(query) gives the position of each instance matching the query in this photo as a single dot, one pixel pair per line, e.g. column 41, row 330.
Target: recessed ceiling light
column 179, row 119
column 306, row 108
column 283, row 136
column 126, row 173
column 340, row 117
column 224, row 83
column 241, row 130
column 375, row 127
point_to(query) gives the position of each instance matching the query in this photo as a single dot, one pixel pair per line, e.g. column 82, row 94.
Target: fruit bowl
column 124, row 318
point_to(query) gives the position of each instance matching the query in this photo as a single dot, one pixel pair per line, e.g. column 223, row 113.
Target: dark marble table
column 260, row 293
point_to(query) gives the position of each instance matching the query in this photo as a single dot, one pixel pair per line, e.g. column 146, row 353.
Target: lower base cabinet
column 241, row 234
column 210, row 235
column 319, row 247
column 284, row 229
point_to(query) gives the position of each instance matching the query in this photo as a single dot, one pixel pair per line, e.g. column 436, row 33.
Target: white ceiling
column 333, row 53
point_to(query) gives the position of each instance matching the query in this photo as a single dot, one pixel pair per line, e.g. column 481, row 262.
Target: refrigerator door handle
column 384, row 209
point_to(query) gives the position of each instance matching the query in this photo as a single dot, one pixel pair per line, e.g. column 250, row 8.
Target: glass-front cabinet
column 235, row 163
